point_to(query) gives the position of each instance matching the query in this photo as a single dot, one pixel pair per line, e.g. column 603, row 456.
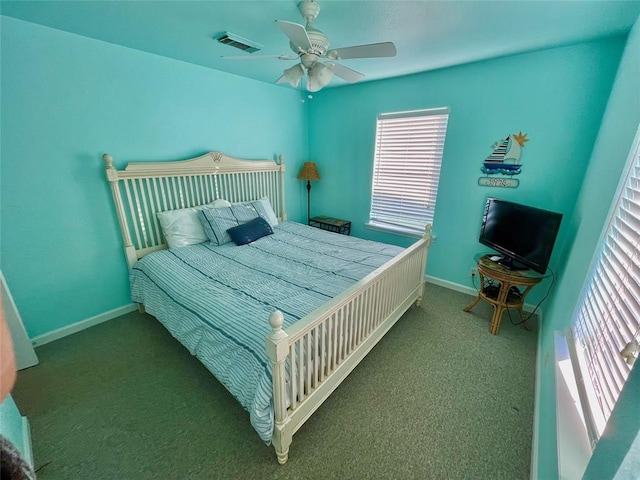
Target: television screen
column 523, row 235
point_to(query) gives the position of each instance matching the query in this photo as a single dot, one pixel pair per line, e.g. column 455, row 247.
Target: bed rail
column 143, row 189
column 312, row 357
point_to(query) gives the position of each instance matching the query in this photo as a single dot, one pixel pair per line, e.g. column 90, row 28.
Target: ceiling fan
column 310, row 45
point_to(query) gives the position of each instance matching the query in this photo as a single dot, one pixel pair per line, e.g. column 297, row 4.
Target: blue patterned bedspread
column 216, row 300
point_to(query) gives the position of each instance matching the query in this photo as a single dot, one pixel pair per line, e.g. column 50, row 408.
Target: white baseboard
column 81, row 325
column 450, row 285
column 472, row 291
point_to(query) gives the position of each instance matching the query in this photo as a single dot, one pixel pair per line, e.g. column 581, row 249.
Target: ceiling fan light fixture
column 319, row 75
column 312, row 84
column 294, row 75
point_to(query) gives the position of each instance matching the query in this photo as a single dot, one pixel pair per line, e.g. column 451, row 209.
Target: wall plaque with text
column 498, row 182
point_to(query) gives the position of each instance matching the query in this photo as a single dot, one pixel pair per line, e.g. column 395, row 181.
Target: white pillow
column 217, row 204
column 271, row 216
column 182, row 227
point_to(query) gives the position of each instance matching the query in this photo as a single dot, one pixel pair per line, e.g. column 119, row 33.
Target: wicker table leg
column 472, row 304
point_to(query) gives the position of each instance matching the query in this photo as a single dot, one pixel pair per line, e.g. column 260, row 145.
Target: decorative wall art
column 504, row 163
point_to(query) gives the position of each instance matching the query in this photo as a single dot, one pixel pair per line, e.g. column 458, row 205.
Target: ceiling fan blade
column 258, row 57
column 345, row 73
column 373, row 50
column 296, row 33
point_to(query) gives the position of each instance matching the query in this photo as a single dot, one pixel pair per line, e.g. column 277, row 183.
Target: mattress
column 216, row 300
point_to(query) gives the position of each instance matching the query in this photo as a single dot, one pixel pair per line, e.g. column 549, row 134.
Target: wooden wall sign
column 498, row 182
column 504, row 163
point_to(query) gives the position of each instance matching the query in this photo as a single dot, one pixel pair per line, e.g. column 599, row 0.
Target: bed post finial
column 112, row 173
column 428, row 236
column 276, row 320
column 108, row 159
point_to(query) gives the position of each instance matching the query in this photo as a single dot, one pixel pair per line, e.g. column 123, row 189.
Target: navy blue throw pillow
column 250, row 231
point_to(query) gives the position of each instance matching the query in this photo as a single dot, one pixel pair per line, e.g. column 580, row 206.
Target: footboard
column 312, row 357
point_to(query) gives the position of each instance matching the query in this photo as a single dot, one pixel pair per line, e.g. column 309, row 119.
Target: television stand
column 499, row 288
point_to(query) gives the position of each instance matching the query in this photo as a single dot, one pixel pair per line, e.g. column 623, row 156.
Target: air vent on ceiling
column 236, row 41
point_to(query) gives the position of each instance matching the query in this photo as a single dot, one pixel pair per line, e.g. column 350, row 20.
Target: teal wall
column 556, row 96
column 66, row 100
column 606, row 165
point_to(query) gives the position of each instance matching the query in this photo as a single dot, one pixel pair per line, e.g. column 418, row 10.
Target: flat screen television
column 524, row 236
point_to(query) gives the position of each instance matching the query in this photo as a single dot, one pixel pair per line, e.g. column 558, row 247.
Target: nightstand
column 331, row 224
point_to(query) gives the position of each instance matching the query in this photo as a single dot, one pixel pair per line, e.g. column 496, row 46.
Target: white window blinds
column 608, row 315
column 406, row 170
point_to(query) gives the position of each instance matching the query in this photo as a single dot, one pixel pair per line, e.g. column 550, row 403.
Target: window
column 406, row 169
column 608, row 314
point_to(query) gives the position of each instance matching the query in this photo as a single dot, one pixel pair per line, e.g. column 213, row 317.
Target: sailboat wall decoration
column 505, row 160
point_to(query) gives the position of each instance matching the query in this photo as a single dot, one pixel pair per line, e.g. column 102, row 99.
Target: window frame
column 428, row 141
column 594, row 414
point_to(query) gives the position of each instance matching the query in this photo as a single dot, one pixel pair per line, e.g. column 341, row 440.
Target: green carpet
column 437, row 398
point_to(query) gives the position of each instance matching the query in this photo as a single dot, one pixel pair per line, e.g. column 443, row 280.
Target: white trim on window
column 385, row 227
column 574, row 447
column 608, row 313
column 406, row 169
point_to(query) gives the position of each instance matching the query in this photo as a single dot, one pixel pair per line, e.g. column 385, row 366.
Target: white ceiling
column 428, row 34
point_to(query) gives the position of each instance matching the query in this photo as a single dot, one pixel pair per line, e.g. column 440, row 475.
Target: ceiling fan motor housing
column 319, row 41
column 308, row 59
column 309, row 10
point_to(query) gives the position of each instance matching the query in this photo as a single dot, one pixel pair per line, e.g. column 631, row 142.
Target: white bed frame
column 342, row 331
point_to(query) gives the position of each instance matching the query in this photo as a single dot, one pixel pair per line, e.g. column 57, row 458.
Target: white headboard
column 143, row 189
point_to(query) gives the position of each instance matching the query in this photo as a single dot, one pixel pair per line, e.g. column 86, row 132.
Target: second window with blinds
column 607, row 317
column 406, row 170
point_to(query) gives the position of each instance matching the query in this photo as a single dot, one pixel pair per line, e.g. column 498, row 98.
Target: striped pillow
column 217, row 221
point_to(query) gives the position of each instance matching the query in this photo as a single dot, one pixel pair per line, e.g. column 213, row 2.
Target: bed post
column 427, row 237
column 283, row 209
column 277, row 351
column 112, row 176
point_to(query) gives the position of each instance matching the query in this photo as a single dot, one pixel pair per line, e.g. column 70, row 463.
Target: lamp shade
column 318, row 76
column 309, row 172
column 294, row 74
